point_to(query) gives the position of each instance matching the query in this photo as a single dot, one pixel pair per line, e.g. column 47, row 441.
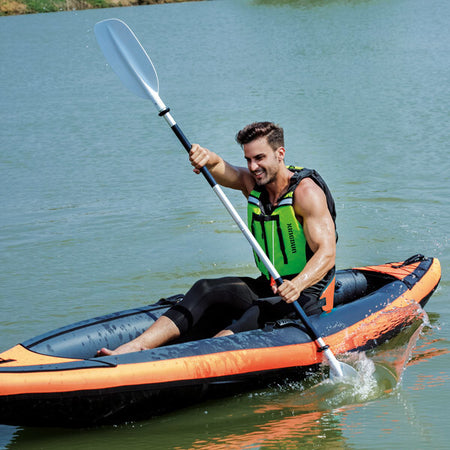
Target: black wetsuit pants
column 242, row 301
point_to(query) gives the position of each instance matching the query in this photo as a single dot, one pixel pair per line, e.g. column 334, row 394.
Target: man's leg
column 231, row 292
column 162, row 331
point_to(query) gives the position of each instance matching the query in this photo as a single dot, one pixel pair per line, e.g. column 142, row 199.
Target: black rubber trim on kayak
column 60, row 367
column 419, row 272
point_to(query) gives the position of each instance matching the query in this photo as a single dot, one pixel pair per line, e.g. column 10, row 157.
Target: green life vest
column 278, row 230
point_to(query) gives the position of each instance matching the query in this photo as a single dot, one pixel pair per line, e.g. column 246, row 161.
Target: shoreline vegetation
column 16, row 7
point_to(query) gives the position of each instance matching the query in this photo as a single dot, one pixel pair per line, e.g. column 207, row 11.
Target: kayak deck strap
column 416, row 265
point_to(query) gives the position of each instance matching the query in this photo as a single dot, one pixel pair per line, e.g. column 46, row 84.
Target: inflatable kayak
column 56, row 379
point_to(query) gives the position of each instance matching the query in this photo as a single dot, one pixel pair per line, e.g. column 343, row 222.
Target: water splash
column 379, row 372
column 372, row 381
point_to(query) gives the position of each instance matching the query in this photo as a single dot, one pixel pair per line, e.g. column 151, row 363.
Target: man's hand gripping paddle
column 131, row 63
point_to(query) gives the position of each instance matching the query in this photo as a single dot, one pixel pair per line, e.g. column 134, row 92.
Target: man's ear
column 281, row 151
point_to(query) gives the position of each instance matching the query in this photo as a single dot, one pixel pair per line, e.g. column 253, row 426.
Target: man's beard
column 266, row 179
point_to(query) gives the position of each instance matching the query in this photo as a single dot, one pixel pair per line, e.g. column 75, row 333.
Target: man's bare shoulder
column 309, row 197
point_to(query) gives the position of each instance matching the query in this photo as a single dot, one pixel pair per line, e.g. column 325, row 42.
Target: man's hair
column 273, row 133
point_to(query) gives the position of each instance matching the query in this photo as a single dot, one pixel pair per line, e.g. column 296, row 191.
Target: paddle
column 131, row 63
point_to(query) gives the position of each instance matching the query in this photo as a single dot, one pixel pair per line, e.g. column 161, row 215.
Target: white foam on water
column 371, row 382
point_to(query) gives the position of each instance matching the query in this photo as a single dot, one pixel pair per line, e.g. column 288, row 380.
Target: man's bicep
column 318, row 225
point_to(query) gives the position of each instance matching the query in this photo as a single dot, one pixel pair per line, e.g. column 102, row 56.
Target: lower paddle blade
column 346, row 372
column 338, row 370
column 127, row 57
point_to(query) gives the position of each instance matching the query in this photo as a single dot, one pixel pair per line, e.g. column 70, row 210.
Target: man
column 292, row 215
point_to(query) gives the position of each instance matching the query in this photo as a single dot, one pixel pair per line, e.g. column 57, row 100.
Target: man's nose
column 252, row 165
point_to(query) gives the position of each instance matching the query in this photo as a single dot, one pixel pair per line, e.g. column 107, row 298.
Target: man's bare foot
column 162, row 331
column 224, row 333
column 105, row 352
column 129, row 347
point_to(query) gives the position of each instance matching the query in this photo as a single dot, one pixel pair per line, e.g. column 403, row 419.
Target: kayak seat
column 350, row 285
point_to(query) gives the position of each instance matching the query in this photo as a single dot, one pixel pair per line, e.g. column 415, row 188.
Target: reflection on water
column 307, row 414
column 429, row 347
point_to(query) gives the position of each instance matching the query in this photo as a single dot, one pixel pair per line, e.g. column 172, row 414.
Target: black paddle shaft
column 187, row 145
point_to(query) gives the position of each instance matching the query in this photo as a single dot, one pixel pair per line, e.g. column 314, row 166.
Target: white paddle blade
column 349, row 372
column 339, row 370
column 127, row 58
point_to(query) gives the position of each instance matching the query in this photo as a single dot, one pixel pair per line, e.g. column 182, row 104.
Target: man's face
column 262, row 161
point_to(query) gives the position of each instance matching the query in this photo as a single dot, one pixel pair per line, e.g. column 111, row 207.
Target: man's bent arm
column 225, row 174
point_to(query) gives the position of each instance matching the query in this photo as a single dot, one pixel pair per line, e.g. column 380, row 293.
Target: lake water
column 100, row 210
